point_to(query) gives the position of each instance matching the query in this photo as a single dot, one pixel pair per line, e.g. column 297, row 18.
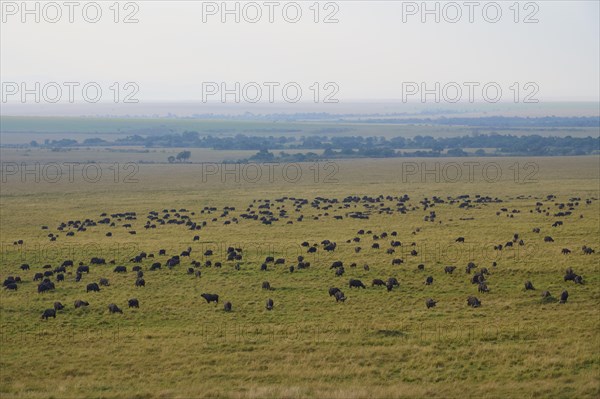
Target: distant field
column 376, row 344
column 21, row 130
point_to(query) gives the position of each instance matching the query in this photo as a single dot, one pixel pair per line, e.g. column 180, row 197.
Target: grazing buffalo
column 430, row 303
column 291, row 269
column 104, row 282
column 197, row 273
column 38, row 276
column 529, row 285
column 578, row 280
column 140, row 282
column 546, row 294
column 548, row 239
column 24, row 266
column 473, row 302
column 378, row 282
column 570, row 275
column 162, row 252
column 156, row 266
column 397, row 261
column 60, row 277
column 263, row 267
column 92, row 287
column 11, row 286
column 58, row 306
column 565, row 251
column 45, row 286
column 83, row 269
column 120, row 269
column 112, row 308
column 460, row 239
column 483, row 288
column 449, row 269
column 340, row 272
column 133, row 303
column 429, row 280
column 421, row 267
column 266, row 285
column 269, row 304
column 393, row 281
column 564, row 296
column 79, row 303
column 333, row 290
column 389, row 286
column 210, row 298
column 227, row 307
column 356, row 283
column 339, row 296
column 49, row 313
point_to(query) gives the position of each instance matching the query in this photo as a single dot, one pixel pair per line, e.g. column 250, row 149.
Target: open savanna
column 377, row 344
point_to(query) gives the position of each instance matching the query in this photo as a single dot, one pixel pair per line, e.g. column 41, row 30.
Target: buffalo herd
column 271, row 212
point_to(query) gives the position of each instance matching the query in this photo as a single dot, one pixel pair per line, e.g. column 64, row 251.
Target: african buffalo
column 529, row 285
column 269, row 304
column 430, row 303
column 79, row 303
column 356, row 283
column 49, row 313
column 92, row 287
column 227, row 307
column 120, row 269
column 333, row 290
column 339, row 296
column 473, row 302
column 210, row 298
column 429, row 280
column 140, row 282
column 564, row 296
column 449, row 269
column 378, row 282
column 112, row 308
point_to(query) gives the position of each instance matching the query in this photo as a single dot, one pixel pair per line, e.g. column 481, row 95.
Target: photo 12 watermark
column 468, row 172
column 252, row 12
column 271, row 92
column 69, row 92
column 471, row 92
column 68, row 172
column 452, row 12
column 271, row 172
column 53, row 12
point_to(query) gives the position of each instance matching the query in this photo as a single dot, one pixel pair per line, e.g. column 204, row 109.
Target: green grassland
column 377, row 344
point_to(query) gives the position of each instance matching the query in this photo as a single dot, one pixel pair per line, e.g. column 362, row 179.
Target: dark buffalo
column 269, row 305
column 339, row 296
column 79, row 303
column 564, row 296
column 140, row 282
column 58, row 306
column 378, row 282
column 120, row 269
column 45, row 286
column 210, row 298
column 430, row 303
column 429, row 280
column 449, row 269
column 133, row 303
column 83, row 269
column 112, row 308
column 104, row 282
column 227, row 307
column 356, row 284
column 483, row 288
column 473, row 302
column 333, row 290
column 529, row 285
column 49, row 313
column 393, row 281
column 266, row 285
column 38, row 276
column 11, row 286
column 460, row 239
column 92, row 287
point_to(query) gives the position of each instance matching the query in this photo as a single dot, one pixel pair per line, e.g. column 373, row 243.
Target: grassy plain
column 377, row 344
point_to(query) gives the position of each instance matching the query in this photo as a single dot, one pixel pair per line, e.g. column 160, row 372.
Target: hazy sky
column 368, row 54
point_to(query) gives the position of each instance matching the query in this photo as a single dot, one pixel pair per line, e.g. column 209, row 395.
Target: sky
column 377, row 50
